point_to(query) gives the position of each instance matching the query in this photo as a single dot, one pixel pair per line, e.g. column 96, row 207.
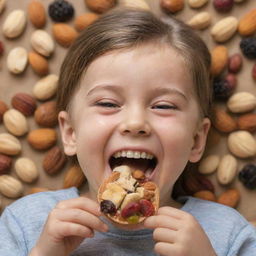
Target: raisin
column 106, row 206
column 248, row 176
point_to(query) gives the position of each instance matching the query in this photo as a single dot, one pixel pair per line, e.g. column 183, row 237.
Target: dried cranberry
column 223, row 5
column 1, row 48
column 106, row 206
column 146, row 208
column 130, row 209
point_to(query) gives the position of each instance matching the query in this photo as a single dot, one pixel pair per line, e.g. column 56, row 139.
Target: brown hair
column 126, row 28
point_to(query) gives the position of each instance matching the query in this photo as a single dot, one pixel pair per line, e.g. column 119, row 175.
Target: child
column 135, row 85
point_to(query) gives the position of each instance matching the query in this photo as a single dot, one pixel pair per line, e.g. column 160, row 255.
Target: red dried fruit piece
column 1, row 48
column 146, row 207
column 131, row 209
column 223, row 5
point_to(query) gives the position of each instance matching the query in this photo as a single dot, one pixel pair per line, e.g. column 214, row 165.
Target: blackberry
column 61, row 10
column 248, row 47
column 107, row 206
column 222, row 89
column 248, row 176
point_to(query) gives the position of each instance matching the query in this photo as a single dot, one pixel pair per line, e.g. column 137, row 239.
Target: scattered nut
column 74, row 177
column 209, row 164
column 37, row 14
column 172, row 6
column 205, row 195
column 84, row 20
column 3, row 109
column 229, row 197
column 197, row 3
column 100, row 6
column 5, row 164
column 17, row 60
column 201, row 20
column 10, row 186
column 9, row 145
column 38, row 63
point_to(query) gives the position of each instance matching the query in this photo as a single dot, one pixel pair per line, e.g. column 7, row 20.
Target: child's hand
column 178, row 233
column 67, row 225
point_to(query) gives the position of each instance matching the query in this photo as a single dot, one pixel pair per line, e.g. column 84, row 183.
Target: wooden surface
column 11, row 84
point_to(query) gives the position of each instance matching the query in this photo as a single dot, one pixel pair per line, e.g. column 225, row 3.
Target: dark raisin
column 222, row 89
column 248, row 176
column 61, row 10
column 106, row 206
column 248, row 47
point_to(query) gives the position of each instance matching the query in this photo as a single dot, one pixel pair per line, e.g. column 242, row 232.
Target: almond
column 24, row 102
column 64, row 34
column 241, row 102
column 172, row 6
column 9, row 145
column 15, row 122
column 46, row 114
column 46, row 87
column 247, row 24
column 247, row 122
column 224, row 29
column 205, row 195
column 42, row 139
column 229, row 197
column 14, row 24
column 10, row 187
column 242, row 144
column 100, row 6
column 201, row 20
column 219, row 57
column 5, row 164
column 26, row 169
column 74, row 177
column 3, row 109
column 54, row 160
column 37, row 14
column 227, row 169
column 84, row 20
column 17, row 60
column 209, row 164
column 197, row 3
column 38, row 63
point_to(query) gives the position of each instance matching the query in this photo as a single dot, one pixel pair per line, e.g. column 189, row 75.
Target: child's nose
column 135, row 123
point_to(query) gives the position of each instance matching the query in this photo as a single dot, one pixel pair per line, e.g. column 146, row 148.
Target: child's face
column 138, row 100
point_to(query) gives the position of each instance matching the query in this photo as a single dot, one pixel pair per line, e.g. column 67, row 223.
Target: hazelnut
column 100, row 6
column 3, row 109
column 5, row 164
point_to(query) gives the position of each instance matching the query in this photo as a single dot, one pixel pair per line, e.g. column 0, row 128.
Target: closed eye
column 164, row 106
column 107, row 104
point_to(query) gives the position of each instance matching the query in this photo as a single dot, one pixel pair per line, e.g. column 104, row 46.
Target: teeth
column 133, row 154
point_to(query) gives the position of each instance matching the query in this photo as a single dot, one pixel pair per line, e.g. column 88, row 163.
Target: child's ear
column 200, row 140
column 67, row 133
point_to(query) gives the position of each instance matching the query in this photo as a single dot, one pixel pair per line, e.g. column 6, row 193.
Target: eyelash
column 164, row 106
column 106, row 104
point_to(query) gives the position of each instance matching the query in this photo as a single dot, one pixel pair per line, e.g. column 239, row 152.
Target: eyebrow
column 109, row 87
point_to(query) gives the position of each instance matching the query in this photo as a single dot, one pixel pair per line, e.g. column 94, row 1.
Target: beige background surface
column 11, row 84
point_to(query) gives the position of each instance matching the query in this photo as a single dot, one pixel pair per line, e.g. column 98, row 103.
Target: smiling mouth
column 135, row 160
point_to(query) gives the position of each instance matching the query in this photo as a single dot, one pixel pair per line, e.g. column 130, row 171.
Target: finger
column 82, row 203
column 80, row 217
column 162, row 221
column 172, row 212
column 165, row 235
column 164, row 249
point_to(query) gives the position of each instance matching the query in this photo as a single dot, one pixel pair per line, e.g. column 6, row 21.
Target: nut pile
column 234, row 116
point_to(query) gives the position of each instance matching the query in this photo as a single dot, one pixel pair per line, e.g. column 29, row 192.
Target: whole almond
column 247, row 24
column 64, row 34
column 17, row 60
column 14, row 24
column 247, row 122
column 42, row 42
column 46, row 114
column 219, row 56
column 5, row 164
column 229, row 197
column 42, row 139
column 54, row 160
column 2, row 5
column 241, row 102
column 36, row 190
column 227, row 169
column 84, row 20
column 26, row 169
column 235, row 63
column 197, row 3
column 141, row 4
column 3, row 109
column 224, row 122
column 224, row 29
column 201, row 20
column 24, row 102
column 74, row 177
column 209, row 164
column 242, row 144
column 9, row 144
column 46, row 87
column 15, row 122
column 205, row 195
column 100, row 6
column 172, row 6
column 37, row 14
column 38, row 63
column 10, row 187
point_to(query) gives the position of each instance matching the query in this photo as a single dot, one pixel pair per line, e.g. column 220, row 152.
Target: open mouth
column 135, row 160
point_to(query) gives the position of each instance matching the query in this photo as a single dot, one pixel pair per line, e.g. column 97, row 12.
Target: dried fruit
column 106, row 206
column 247, row 24
column 205, row 195
column 61, row 10
column 100, row 6
column 74, row 177
column 54, row 160
column 24, row 102
column 36, row 13
column 38, row 63
column 1, row 48
column 248, row 47
column 200, row 21
column 134, row 219
column 229, row 197
column 219, row 56
column 223, row 5
column 248, row 176
column 46, row 114
column 146, row 207
column 84, row 20
column 3, row 109
column 17, row 60
column 9, row 145
column 235, row 63
column 131, row 209
column 222, row 88
column 254, row 72
column 5, row 164
column 10, row 186
column 209, row 164
column 247, row 122
column 172, row 6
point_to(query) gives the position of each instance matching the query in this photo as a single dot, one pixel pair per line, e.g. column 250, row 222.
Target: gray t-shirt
column 21, row 224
